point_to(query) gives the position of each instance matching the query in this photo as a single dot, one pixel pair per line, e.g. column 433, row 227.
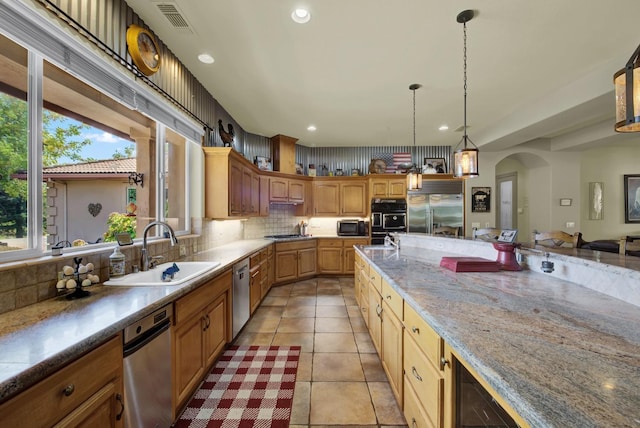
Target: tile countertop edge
column 24, row 362
column 539, row 406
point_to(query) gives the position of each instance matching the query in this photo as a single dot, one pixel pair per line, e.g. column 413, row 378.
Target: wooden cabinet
column 336, row 255
column 330, row 255
column 340, row 197
column 286, row 190
column 385, row 187
column 294, row 260
column 259, row 281
column 88, row 392
column 202, row 329
column 392, row 338
column 232, row 185
column 423, row 351
column 349, row 253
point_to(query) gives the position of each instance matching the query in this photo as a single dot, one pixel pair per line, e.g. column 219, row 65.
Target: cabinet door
column 307, row 262
column 330, row 260
column 392, row 350
column 375, row 319
column 326, row 199
column 255, row 288
column 263, row 211
column 379, row 187
column 247, row 185
column 353, row 199
column 279, row 189
column 254, row 199
column 235, row 188
column 286, row 265
column 397, row 188
column 215, row 329
column 296, row 191
column 188, row 351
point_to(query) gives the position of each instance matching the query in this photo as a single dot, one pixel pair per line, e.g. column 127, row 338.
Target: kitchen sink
column 153, row 277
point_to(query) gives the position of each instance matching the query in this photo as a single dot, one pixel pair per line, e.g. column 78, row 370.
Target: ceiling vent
column 175, row 17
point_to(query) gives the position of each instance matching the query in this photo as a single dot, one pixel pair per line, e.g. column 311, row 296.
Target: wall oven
column 387, row 215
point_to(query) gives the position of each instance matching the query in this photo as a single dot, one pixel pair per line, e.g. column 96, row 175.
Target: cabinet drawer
column 254, row 260
column 425, row 378
column 414, row 413
column 428, row 340
column 375, row 279
column 350, row 242
column 45, row 403
column 295, row 245
column 392, row 298
column 331, row 243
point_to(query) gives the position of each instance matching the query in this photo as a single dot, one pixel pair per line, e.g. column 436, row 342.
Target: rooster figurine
column 227, row 137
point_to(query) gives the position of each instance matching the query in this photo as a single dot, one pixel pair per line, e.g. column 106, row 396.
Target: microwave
column 353, row 228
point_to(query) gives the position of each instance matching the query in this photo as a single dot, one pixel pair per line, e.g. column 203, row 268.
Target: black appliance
column 353, row 228
column 387, row 215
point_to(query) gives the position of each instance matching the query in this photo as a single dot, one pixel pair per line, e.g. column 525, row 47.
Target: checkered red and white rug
column 249, row 386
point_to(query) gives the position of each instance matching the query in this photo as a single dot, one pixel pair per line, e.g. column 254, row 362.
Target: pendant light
column 465, row 159
column 627, row 84
column 414, row 177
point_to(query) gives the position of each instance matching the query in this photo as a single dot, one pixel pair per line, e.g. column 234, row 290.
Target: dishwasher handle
column 146, row 337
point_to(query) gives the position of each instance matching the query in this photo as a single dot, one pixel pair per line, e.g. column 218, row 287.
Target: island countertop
column 560, row 354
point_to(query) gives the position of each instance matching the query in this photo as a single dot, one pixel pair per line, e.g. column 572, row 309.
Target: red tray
column 469, row 264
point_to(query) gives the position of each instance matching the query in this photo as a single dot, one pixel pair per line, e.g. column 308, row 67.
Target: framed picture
column 481, row 199
column 434, row 166
column 632, row 198
column 507, row 235
column 263, row 163
column 596, row 200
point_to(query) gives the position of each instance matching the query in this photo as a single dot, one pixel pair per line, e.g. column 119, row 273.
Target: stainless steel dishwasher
column 241, row 305
column 147, row 371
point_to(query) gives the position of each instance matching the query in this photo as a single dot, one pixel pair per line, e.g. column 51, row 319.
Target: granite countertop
column 38, row 340
column 562, row 355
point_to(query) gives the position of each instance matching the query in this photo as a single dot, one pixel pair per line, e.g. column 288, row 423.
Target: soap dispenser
column 116, row 263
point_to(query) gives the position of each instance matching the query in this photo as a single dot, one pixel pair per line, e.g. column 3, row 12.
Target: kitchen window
column 67, row 157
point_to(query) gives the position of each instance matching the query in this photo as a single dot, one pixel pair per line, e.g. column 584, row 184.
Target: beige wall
column 608, row 165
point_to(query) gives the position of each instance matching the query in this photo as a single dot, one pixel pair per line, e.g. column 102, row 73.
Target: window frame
column 16, row 23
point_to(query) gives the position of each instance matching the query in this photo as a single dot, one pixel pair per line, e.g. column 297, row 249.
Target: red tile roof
column 109, row 166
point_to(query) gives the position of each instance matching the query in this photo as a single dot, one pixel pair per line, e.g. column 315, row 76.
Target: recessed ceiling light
column 206, row 58
column 311, row 128
column 301, row 16
column 443, row 128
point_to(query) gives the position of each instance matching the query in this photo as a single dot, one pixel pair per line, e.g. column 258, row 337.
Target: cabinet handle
column 69, row 390
column 121, row 401
column 208, row 321
column 415, row 373
column 388, row 296
column 414, row 423
column 379, row 310
column 443, row 362
column 415, row 329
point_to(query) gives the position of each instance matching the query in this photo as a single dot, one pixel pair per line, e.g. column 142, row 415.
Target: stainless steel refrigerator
column 435, row 205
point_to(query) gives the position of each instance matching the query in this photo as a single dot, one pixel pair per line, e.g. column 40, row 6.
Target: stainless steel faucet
column 145, row 260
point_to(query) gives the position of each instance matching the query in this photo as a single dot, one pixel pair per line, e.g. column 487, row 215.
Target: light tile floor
column 340, row 380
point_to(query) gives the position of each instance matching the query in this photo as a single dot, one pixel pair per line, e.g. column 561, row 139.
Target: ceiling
column 539, row 72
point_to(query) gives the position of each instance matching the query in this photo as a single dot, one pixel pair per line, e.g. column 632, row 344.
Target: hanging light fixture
column 414, row 176
column 627, row 84
column 465, row 159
